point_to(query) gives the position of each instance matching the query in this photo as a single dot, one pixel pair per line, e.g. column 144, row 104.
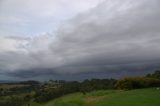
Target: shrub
column 137, row 82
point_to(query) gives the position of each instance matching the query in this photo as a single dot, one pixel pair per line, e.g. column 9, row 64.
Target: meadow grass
column 139, row 97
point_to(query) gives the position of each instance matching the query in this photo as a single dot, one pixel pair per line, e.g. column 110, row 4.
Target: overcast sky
column 78, row 39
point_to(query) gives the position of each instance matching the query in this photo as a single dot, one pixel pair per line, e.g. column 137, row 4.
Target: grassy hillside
column 140, row 97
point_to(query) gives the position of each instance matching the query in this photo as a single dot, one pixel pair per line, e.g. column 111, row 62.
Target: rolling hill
column 139, row 97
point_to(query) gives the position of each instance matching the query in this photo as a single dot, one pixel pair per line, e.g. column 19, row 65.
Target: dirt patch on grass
column 93, row 99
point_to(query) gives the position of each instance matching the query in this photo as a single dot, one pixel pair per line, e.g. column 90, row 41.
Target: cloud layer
column 33, row 17
column 115, row 35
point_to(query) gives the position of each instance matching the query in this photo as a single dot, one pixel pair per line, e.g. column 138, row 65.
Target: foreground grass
column 139, row 97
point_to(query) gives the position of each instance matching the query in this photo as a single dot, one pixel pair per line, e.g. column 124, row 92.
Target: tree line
column 54, row 89
column 127, row 83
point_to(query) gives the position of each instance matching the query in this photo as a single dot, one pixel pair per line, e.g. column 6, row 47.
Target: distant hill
column 7, row 81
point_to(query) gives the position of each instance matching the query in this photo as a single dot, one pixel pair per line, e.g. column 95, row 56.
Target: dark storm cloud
column 97, row 72
column 115, row 35
column 128, row 33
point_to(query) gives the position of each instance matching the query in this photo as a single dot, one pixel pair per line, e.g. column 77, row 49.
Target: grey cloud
column 97, row 72
column 125, row 37
column 115, row 35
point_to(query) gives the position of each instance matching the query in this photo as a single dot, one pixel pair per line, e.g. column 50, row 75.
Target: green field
column 139, row 97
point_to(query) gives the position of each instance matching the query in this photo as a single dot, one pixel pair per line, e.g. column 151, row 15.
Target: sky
column 78, row 39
